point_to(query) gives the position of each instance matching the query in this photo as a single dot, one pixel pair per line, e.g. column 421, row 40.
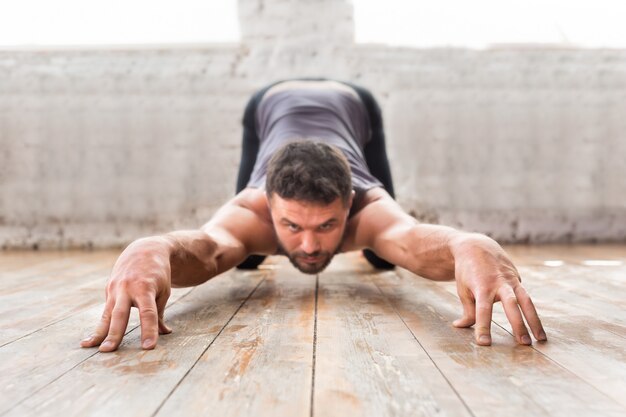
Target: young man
column 312, row 184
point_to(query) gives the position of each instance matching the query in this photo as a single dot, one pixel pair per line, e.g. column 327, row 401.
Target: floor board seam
column 57, row 321
column 72, row 315
column 167, row 397
column 562, row 366
column 317, row 278
column 423, row 348
column 79, row 363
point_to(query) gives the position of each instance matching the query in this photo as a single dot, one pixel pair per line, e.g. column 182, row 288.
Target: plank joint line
column 424, row 349
column 207, row 348
column 77, row 364
column 317, row 282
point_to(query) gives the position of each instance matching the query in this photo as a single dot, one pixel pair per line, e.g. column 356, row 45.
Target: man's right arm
column 147, row 269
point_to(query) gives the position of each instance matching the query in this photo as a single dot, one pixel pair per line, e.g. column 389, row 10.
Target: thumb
column 161, row 301
column 469, row 309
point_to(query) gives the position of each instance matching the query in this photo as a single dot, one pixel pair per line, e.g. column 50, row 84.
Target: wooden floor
column 349, row 342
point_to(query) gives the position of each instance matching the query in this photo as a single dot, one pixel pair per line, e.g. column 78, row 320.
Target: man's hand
column 485, row 275
column 140, row 278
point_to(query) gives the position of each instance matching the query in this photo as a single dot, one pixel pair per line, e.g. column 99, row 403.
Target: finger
column 482, row 330
column 149, row 319
column 469, row 309
column 102, row 329
column 528, row 308
column 511, row 309
column 119, row 321
column 161, row 302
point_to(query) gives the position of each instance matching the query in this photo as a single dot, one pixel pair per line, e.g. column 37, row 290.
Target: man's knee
column 376, row 261
column 251, row 262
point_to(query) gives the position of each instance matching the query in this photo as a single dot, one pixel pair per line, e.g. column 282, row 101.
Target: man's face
column 309, row 233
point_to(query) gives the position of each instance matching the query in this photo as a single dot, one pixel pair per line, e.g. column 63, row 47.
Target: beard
column 298, row 259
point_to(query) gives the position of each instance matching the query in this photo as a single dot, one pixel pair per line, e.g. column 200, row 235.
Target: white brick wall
column 98, row 147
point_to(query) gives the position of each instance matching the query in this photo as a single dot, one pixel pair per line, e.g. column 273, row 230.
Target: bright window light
column 484, row 23
column 553, row 263
column 601, row 262
column 117, row 22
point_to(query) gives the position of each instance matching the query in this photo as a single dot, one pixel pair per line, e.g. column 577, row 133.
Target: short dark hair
column 309, row 171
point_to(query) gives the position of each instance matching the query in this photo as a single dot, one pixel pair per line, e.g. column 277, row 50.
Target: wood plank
column 23, row 312
column 367, row 361
column 60, row 267
column 38, row 359
column 507, row 377
column 582, row 308
column 129, row 381
column 14, row 260
column 261, row 365
column 593, row 349
column 543, row 253
column 596, row 291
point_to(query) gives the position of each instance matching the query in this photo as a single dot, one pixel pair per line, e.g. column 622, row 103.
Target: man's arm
column 483, row 271
column 147, row 269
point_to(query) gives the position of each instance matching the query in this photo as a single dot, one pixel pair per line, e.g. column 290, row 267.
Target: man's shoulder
column 253, row 200
column 368, row 210
column 363, row 199
column 246, row 218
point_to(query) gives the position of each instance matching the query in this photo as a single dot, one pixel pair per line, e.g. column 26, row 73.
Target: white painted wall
column 101, row 146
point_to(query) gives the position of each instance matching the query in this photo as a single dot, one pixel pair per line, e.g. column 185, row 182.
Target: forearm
column 426, row 250
column 192, row 255
column 435, row 250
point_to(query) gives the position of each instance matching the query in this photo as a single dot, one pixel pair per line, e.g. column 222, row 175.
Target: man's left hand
column 485, row 275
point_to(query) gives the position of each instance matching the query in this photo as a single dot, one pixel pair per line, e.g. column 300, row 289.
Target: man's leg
column 376, row 158
column 249, row 151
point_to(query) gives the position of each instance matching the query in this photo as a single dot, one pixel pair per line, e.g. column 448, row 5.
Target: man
column 307, row 191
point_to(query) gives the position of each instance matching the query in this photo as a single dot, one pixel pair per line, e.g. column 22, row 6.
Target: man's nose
column 310, row 243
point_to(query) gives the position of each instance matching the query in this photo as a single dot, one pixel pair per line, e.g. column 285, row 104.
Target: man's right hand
column 140, row 278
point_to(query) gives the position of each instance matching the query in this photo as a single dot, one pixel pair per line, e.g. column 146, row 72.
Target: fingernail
column 542, row 336
column 87, row 339
column 526, row 339
column 484, row 339
column 106, row 345
column 147, row 343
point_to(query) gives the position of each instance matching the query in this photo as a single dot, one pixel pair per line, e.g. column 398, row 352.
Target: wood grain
column 582, row 308
column 354, row 341
column 507, row 377
column 40, row 358
column 261, row 365
column 134, row 382
column 38, row 296
column 367, row 362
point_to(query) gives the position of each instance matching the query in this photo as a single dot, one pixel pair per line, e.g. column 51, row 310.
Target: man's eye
column 326, row 227
column 293, row 228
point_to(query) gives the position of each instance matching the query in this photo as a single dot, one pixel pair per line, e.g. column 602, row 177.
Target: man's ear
column 352, row 194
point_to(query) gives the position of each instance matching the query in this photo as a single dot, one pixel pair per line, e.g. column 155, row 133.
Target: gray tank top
column 323, row 114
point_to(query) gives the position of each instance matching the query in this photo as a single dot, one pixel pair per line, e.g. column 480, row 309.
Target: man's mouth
column 311, row 259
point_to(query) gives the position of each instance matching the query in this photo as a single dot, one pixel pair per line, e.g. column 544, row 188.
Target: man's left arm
column 483, row 272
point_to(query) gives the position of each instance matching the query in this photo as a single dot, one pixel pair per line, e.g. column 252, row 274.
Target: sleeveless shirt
column 323, row 114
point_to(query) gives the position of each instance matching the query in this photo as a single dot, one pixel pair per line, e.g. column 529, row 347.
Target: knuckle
column 141, row 286
column 119, row 313
column 521, row 291
column 148, row 312
column 481, row 329
column 483, row 306
column 509, row 299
